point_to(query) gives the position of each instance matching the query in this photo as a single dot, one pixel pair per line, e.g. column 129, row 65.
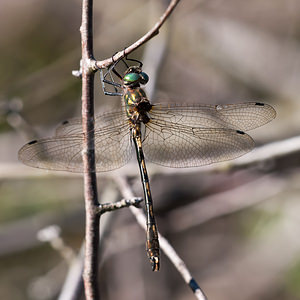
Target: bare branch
column 88, row 156
column 105, row 207
column 150, row 34
column 164, row 244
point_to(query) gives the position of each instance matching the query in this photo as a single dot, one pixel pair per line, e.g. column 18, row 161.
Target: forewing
column 174, row 145
column 242, row 116
column 64, row 152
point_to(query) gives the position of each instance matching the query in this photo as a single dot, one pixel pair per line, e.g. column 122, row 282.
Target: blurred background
column 237, row 231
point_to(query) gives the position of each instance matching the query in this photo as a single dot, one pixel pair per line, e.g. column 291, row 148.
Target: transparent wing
column 63, row 152
column 74, row 126
column 174, row 145
column 243, row 116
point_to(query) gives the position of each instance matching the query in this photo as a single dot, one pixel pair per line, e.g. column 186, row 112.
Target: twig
column 105, row 207
column 164, row 244
column 150, row 34
column 88, row 156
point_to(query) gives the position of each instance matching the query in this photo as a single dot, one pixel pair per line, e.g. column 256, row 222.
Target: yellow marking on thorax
column 131, row 100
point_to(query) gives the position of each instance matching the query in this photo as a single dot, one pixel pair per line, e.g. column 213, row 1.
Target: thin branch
column 164, row 244
column 181, row 267
column 88, row 156
column 150, row 34
column 105, row 207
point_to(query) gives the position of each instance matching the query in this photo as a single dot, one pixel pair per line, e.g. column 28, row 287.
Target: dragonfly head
column 135, row 77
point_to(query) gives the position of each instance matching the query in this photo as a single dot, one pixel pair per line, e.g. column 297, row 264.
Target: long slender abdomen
column 152, row 243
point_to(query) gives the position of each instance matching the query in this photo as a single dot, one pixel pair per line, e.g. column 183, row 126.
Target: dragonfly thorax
column 137, row 105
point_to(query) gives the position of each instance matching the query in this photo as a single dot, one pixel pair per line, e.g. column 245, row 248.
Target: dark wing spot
column 240, row 132
column 32, row 142
column 64, row 122
column 259, row 104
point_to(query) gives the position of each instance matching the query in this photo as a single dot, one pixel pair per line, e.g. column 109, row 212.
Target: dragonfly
column 167, row 134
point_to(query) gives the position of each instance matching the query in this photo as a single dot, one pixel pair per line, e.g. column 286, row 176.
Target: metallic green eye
column 131, row 78
column 144, row 78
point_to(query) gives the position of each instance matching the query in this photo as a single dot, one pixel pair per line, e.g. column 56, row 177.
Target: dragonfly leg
column 110, row 82
column 129, row 59
column 134, row 60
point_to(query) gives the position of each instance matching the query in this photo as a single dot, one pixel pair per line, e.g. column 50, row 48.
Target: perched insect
column 171, row 135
